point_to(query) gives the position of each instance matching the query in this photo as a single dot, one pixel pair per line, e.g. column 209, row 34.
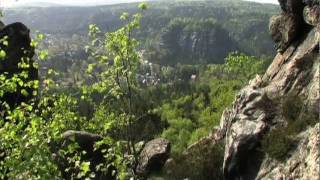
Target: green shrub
column 277, row 144
column 203, row 162
column 279, row 141
column 292, row 107
column 297, row 115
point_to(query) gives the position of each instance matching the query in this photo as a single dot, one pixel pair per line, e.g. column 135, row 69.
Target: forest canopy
column 125, row 89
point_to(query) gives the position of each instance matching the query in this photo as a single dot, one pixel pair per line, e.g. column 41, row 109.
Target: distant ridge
column 33, row 4
column 81, row 3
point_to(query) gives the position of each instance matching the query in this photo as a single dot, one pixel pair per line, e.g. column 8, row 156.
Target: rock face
column 258, row 111
column 202, row 40
column 85, row 142
column 311, row 15
column 286, row 27
column 153, row 156
column 18, row 49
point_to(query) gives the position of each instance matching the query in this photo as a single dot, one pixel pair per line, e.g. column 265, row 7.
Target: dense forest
column 243, row 26
column 170, row 75
column 126, row 91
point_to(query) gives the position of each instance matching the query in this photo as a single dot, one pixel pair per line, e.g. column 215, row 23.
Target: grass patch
column 203, row 163
column 280, row 141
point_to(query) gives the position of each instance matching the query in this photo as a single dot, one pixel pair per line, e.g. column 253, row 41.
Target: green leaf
column 6, row 43
column 85, row 167
column 43, row 55
column 90, row 68
column 3, row 54
column 142, row 6
column 34, row 43
column 124, row 16
column 24, row 92
column 40, row 36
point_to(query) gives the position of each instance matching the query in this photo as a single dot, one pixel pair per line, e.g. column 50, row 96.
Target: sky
column 266, row 1
column 13, row 3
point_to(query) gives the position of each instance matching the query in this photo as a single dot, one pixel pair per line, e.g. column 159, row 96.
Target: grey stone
column 153, row 156
column 311, row 15
column 284, row 30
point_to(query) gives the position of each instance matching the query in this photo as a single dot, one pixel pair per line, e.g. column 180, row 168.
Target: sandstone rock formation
column 191, row 41
column 311, row 13
column 153, row 156
column 285, row 28
column 258, row 109
column 18, row 50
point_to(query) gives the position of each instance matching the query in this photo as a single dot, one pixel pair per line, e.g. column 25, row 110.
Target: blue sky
column 12, row 3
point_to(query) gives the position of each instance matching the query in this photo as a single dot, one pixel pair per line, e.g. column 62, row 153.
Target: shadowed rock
column 17, row 50
column 283, row 29
column 18, row 47
column 286, row 27
column 85, row 142
column 291, row 6
column 311, row 15
column 153, row 156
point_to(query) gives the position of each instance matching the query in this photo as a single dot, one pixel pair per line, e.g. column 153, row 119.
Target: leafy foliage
column 30, row 131
column 192, row 114
column 122, row 97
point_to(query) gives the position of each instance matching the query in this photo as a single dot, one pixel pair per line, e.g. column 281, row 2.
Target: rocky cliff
column 190, row 40
column 272, row 129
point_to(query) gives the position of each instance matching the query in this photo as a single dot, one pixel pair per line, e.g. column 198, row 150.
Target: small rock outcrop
column 18, row 49
column 311, row 13
column 153, row 156
column 85, row 142
column 259, row 108
column 285, row 28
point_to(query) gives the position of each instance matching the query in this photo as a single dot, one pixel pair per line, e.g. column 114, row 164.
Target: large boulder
column 18, row 50
column 153, row 156
column 85, row 146
column 245, row 130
